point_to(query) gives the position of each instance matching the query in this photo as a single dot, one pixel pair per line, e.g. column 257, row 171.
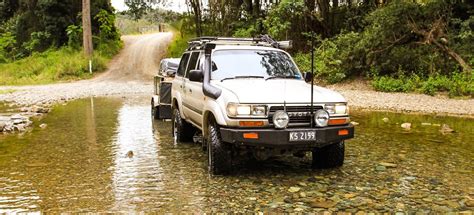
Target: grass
column 457, row 84
column 180, row 41
column 63, row 64
column 7, row 91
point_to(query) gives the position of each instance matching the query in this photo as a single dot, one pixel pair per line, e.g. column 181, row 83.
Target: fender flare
column 213, row 108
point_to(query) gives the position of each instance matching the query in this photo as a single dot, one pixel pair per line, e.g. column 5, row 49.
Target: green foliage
column 107, row 29
column 459, row 84
column 36, row 42
column 63, row 64
column 74, row 34
column 8, row 48
column 179, row 44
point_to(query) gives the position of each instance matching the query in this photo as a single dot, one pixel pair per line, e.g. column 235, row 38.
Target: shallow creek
column 82, row 163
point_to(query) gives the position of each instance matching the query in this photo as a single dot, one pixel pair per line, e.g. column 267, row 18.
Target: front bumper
column 269, row 137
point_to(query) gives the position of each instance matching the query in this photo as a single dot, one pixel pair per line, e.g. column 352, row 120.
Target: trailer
column 161, row 106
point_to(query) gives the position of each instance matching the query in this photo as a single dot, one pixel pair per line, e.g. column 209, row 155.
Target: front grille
column 299, row 115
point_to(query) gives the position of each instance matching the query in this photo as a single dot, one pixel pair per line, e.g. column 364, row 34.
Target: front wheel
column 329, row 156
column 182, row 131
column 219, row 153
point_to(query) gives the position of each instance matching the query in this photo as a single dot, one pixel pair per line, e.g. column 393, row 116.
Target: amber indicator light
column 337, row 121
column 251, row 123
column 251, row 135
column 343, row 132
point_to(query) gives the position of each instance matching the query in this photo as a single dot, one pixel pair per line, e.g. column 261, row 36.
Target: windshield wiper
column 243, row 76
column 283, row 77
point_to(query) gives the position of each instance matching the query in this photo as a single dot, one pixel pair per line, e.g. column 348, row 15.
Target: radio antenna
column 312, row 77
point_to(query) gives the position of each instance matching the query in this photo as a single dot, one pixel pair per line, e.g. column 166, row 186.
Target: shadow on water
column 106, row 154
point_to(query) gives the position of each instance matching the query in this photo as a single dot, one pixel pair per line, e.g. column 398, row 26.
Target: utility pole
column 87, row 31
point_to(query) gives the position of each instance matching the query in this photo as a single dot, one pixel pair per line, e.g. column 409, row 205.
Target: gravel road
column 132, row 70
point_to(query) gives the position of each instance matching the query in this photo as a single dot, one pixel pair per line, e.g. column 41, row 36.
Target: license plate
column 302, row 135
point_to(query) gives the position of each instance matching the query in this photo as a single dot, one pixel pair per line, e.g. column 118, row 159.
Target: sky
column 175, row 5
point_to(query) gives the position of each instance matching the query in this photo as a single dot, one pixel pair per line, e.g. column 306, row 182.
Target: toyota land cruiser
column 247, row 95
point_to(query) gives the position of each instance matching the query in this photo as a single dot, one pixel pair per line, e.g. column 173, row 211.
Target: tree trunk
column 465, row 66
column 86, row 28
column 195, row 4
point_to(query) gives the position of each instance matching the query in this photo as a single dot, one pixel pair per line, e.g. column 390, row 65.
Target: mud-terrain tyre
column 330, row 156
column 181, row 130
column 219, row 153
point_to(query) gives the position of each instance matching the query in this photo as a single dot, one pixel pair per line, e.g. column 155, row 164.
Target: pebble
column 43, row 126
column 386, row 164
column 354, row 123
column 385, row 119
column 323, row 204
column 406, row 125
column 294, row 189
column 380, row 168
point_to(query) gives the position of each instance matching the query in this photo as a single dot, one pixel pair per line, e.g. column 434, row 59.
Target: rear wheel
column 329, row 156
column 219, row 153
column 182, row 131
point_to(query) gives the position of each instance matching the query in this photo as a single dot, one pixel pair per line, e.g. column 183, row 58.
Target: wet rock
column 302, row 184
column 130, row 154
column 323, row 204
column 349, row 195
column 388, row 165
column 2, row 125
column 450, row 204
column 294, row 189
column 20, row 128
column 469, row 202
column 406, row 126
column 380, row 168
column 303, row 195
column 43, row 126
column 385, row 119
column 252, row 198
column 445, row 129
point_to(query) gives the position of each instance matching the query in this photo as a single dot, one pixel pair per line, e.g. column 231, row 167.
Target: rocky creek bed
column 83, row 163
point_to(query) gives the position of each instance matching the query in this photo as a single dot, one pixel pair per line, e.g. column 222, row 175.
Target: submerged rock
column 406, row 125
column 385, row 119
column 445, row 129
column 294, row 189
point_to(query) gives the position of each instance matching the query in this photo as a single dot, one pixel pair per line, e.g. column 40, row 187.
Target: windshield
column 228, row 64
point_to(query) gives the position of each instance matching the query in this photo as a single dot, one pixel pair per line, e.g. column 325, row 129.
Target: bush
column 459, row 84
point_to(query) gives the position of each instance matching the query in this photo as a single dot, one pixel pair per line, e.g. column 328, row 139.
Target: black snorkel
column 207, row 88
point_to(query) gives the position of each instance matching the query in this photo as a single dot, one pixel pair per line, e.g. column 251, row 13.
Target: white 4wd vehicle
column 246, row 95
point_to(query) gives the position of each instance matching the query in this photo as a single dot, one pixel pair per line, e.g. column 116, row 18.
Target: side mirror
column 196, row 75
column 308, row 76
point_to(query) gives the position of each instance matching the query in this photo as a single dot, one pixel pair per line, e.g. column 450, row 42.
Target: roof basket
column 262, row 40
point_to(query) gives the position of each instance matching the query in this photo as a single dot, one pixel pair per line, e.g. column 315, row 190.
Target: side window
column 192, row 63
column 182, row 65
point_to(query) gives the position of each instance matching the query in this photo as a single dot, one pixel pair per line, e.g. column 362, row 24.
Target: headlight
column 280, row 119
column 321, row 118
column 239, row 110
column 339, row 109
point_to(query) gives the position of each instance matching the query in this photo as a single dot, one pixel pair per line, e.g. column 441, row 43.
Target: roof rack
column 262, row 40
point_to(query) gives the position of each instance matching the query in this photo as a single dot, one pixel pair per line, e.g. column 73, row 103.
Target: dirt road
column 130, row 72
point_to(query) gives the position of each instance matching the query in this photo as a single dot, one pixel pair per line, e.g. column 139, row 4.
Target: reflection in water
column 137, row 175
column 80, row 164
